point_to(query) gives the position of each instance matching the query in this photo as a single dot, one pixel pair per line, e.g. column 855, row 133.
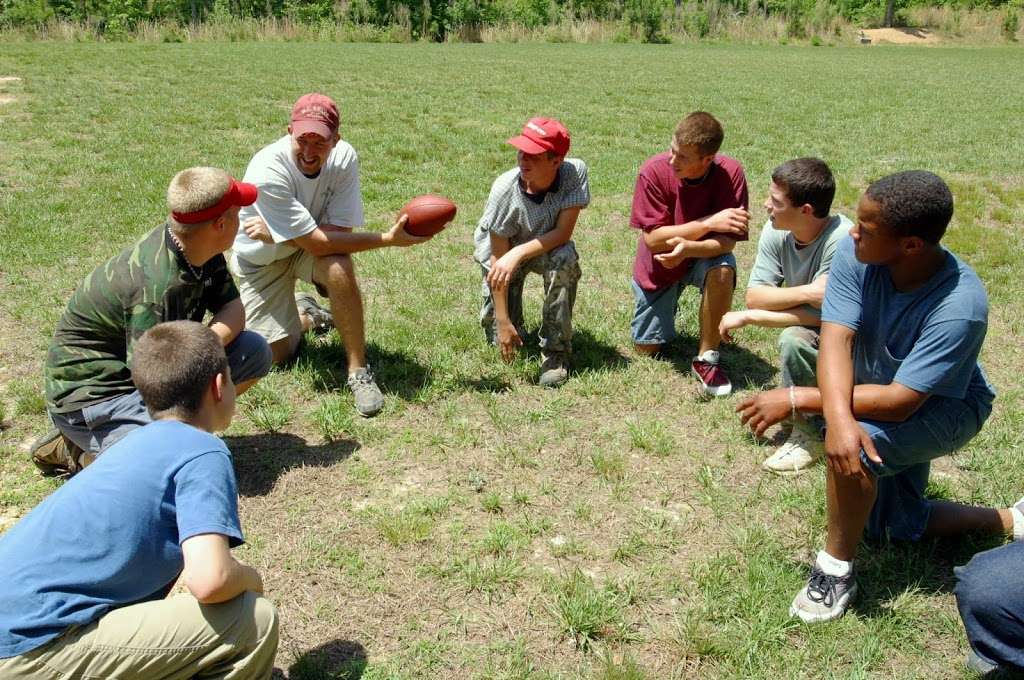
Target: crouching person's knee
column 338, row 272
column 256, row 645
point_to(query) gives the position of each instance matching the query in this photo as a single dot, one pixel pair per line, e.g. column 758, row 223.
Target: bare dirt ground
column 902, row 36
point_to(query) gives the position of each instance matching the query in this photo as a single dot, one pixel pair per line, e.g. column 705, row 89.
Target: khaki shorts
column 268, row 293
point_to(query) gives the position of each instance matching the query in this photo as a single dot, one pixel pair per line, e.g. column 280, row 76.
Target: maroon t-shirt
column 661, row 200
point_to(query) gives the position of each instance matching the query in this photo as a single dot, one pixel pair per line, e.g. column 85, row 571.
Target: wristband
column 792, row 402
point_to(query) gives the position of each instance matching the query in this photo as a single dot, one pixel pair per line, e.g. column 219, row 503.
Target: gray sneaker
column 554, row 370
column 321, row 317
column 369, row 400
column 824, row 597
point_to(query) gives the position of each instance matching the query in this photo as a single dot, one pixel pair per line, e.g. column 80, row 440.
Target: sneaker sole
column 844, row 603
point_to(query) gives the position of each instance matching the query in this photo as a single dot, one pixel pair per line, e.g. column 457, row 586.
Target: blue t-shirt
column 111, row 536
column 927, row 339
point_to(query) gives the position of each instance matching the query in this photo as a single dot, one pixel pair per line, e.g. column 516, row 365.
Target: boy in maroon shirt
column 690, row 204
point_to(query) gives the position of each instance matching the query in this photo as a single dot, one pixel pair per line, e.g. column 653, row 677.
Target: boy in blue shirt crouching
column 899, row 383
column 84, row 577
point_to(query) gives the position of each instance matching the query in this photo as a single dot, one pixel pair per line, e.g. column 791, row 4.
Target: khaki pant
column 161, row 640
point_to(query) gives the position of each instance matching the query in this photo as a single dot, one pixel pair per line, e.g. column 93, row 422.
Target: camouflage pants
column 560, row 269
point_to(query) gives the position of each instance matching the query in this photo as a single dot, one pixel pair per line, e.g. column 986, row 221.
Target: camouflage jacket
column 148, row 283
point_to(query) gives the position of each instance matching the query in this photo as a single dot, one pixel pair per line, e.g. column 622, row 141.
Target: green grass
column 482, row 526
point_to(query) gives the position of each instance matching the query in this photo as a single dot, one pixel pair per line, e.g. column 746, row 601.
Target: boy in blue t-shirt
column 86, row 574
column 898, row 383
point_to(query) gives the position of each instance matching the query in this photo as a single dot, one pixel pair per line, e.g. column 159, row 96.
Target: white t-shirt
column 292, row 204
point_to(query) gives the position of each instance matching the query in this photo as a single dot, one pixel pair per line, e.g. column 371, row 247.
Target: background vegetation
column 482, row 527
column 477, row 20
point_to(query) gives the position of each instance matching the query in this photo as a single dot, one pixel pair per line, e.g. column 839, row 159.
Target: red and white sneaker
column 711, row 374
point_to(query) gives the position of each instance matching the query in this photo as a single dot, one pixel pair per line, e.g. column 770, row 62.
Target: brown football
column 428, row 214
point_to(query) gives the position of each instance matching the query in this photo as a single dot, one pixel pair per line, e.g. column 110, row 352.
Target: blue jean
column 941, row 426
column 990, row 596
column 97, row 426
column 654, row 315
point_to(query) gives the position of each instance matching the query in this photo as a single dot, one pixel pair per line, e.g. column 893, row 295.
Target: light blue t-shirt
column 111, row 536
column 927, row 339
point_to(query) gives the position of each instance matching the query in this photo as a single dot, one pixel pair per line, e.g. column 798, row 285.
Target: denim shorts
column 941, row 426
column 654, row 315
column 97, row 426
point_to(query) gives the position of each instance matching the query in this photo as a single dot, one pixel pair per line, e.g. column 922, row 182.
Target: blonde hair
column 195, row 189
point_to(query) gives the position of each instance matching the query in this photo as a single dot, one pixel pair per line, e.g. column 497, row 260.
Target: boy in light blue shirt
column 899, row 383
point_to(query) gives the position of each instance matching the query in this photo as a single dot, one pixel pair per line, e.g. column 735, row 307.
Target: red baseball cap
column 317, row 113
column 542, row 134
column 239, row 193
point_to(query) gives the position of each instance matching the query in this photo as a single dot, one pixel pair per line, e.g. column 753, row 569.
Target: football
column 428, row 214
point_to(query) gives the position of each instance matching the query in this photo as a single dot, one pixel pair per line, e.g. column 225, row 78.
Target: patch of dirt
column 9, row 79
column 901, row 36
column 7, row 99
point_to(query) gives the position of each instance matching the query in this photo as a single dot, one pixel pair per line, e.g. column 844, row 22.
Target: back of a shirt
column 111, row 535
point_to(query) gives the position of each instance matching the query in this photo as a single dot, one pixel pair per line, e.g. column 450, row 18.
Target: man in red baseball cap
column 527, row 226
column 302, row 227
column 175, row 272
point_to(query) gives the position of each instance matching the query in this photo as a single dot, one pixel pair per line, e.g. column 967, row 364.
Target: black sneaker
column 321, row 317
column 554, row 370
column 825, row 597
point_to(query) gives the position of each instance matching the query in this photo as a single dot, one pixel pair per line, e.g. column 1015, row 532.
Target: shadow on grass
column 746, row 370
column 398, row 373
column 335, row 660
column 886, row 571
column 260, row 459
column 588, row 352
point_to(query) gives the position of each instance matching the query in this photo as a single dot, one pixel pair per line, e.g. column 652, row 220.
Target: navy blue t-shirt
column 927, row 339
column 111, row 536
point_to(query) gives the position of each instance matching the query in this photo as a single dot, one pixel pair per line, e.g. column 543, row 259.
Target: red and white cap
column 316, row 113
column 239, row 193
column 542, row 134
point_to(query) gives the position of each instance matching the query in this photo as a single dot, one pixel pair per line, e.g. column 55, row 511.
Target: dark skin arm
column 839, row 400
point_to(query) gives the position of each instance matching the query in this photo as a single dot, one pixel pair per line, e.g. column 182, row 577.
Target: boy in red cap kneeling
column 527, row 226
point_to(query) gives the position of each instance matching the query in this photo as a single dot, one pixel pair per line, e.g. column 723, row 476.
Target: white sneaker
column 825, row 597
column 799, row 451
column 1017, row 512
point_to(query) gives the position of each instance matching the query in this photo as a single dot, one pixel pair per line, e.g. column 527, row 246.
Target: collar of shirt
column 539, row 198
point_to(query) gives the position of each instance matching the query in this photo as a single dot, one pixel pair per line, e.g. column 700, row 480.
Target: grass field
column 482, row 527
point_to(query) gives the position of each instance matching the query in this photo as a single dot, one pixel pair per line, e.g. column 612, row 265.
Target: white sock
column 1018, row 522
column 832, row 566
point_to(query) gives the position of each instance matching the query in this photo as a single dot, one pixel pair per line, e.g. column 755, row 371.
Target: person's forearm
column 775, row 298
column 235, row 579
column 500, row 298
column 657, row 239
column 542, row 244
column 835, row 372
column 797, row 316
column 710, row 247
column 338, row 242
column 870, row 402
column 229, row 321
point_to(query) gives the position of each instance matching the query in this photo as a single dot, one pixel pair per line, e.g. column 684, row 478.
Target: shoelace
column 821, row 587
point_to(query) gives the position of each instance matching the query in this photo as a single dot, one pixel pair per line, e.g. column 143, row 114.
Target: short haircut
column 913, row 203
column 701, row 130
column 173, row 364
column 193, row 190
column 807, row 181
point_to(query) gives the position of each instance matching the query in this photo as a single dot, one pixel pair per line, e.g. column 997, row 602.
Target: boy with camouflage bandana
column 526, row 227
column 175, row 272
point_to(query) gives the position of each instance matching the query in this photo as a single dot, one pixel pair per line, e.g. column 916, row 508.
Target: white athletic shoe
column 1017, row 511
column 799, row 451
column 824, row 597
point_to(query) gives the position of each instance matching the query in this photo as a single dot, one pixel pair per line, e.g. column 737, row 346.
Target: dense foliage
column 439, row 19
